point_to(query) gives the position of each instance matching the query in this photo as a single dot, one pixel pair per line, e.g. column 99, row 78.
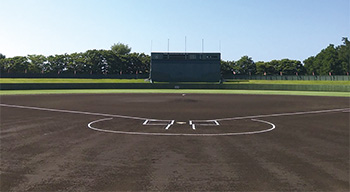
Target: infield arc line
column 273, row 126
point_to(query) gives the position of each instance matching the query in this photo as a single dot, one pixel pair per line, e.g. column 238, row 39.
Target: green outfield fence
column 292, row 87
column 290, row 77
column 145, row 76
column 78, row 76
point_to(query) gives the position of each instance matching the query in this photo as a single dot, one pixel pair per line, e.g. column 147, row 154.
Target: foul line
column 280, row 114
column 76, row 112
column 216, row 121
column 144, row 119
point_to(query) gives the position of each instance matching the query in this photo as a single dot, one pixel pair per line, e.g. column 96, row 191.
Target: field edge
column 175, row 91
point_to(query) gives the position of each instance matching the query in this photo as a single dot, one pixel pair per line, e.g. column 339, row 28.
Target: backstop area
column 185, row 67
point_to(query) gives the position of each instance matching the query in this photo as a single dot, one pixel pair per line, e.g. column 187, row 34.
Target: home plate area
column 181, row 127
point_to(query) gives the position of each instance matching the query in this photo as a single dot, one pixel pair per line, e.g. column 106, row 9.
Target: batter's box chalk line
column 193, row 123
column 166, row 123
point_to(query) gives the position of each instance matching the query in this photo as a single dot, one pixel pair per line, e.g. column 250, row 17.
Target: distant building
column 185, row 67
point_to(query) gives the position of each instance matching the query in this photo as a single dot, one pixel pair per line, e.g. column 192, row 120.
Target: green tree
column 227, row 67
column 95, row 61
column 77, row 63
column 58, row 63
column 273, row 67
column 344, row 56
column 261, row 67
column 37, row 63
column 16, row 64
column 311, row 67
column 290, row 67
column 145, row 63
column 112, row 61
column 328, row 61
column 120, row 49
column 246, row 66
column 2, row 63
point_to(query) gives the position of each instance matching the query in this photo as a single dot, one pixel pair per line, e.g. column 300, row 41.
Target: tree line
column 330, row 61
column 118, row 60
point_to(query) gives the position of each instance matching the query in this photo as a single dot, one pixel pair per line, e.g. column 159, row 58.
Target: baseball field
column 179, row 141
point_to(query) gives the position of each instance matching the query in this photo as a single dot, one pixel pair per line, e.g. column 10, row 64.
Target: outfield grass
column 63, row 80
column 176, row 91
column 289, row 82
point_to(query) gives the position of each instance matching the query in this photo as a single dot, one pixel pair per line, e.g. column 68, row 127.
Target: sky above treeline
column 262, row 29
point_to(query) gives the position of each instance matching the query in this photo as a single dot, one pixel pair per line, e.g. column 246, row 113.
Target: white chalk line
column 192, row 125
column 170, row 124
column 155, row 122
column 181, row 134
column 191, row 122
column 280, row 114
column 80, row 112
column 150, row 119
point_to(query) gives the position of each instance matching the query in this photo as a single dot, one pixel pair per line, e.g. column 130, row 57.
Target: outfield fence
column 290, row 77
column 282, row 87
column 78, row 76
column 145, row 76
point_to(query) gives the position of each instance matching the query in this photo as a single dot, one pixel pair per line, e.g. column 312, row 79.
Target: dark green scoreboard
column 185, row 67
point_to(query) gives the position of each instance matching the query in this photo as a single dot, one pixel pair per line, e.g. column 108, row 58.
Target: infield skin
column 194, row 124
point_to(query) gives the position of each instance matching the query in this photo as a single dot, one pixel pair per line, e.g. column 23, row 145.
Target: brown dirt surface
column 53, row 147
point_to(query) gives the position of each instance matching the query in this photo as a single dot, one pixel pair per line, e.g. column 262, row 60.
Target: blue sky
column 262, row 29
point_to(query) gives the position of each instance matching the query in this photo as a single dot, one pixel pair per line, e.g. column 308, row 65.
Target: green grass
column 61, row 80
column 176, row 91
column 289, row 82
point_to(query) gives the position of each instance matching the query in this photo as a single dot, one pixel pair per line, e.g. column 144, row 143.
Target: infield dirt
column 56, row 151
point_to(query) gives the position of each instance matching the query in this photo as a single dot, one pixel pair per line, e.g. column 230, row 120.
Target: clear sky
column 262, row 29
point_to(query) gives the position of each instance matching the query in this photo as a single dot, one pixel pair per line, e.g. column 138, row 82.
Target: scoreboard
column 185, row 67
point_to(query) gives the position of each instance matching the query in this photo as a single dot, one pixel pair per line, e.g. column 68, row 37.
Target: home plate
column 181, row 122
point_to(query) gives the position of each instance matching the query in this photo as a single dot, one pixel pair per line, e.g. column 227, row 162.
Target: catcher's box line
column 193, row 123
column 156, row 122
